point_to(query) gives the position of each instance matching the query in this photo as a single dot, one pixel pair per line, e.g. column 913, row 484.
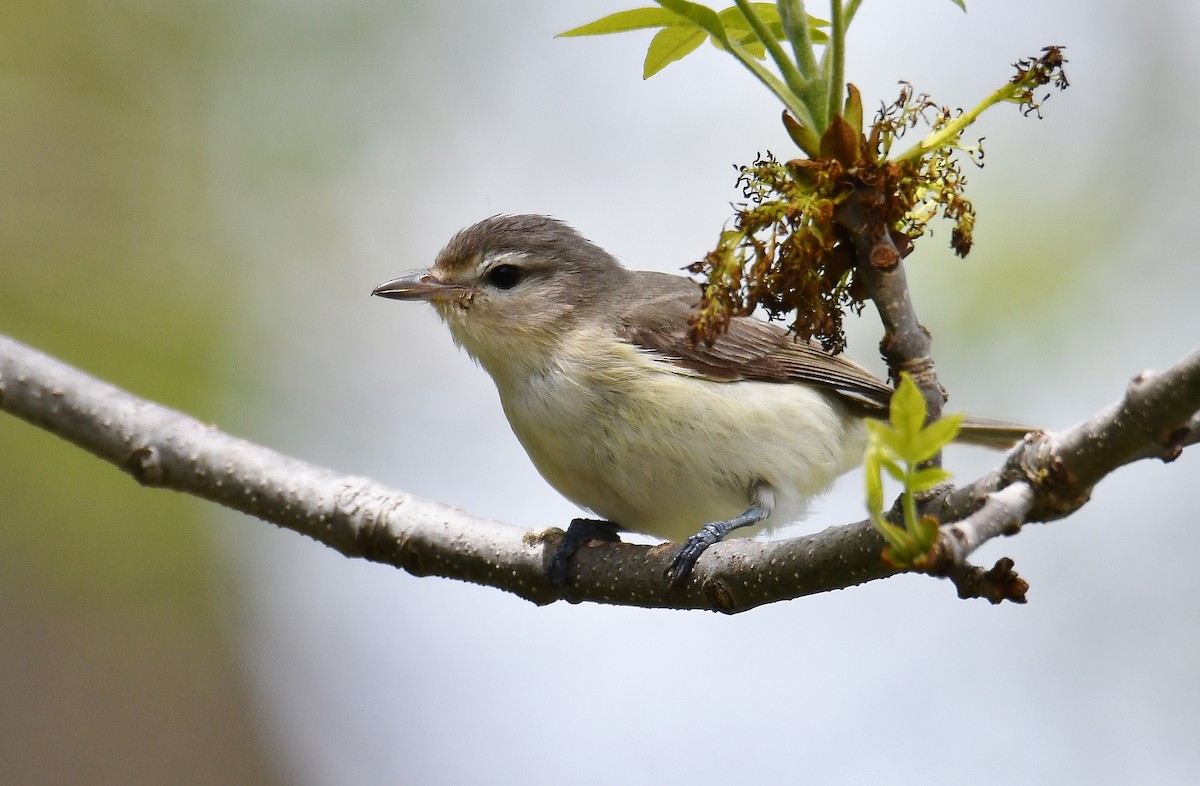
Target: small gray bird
column 625, row 416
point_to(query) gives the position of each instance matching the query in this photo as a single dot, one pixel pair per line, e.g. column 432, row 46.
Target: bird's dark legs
column 578, row 533
column 762, row 503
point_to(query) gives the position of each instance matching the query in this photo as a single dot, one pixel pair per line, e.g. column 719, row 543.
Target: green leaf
column 735, row 21
column 769, row 13
column 731, row 237
column 927, row 478
column 897, row 537
column 671, row 44
column 755, row 48
column 874, row 482
column 874, row 427
column 926, row 532
column 907, row 410
column 893, row 469
column 853, row 110
column 624, row 21
column 961, row 4
column 937, row 435
column 684, row 25
column 748, row 40
column 700, row 15
column 882, row 437
column 802, row 135
column 733, row 18
column 887, row 438
column 904, row 440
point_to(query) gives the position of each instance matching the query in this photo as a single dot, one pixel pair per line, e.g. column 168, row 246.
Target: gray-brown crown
column 537, row 236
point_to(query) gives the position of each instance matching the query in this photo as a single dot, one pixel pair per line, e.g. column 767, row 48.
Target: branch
column 1157, row 418
column 360, row 518
column 1049, row 476
column 1002, row 513
column 906, row 345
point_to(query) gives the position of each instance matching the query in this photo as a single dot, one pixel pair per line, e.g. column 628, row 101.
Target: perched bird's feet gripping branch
column 762, row 504
column 578, row 533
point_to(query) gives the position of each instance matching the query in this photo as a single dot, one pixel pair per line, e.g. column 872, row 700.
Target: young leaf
column 671, row 44
column 908, row 408
column 897, row 537
column 739, row 28
column 853, row 111
column 885, row 437
column 700, row 15
column 927, row 478
column 802, row 135
column 898, row 447
column 769, row 14
column 961, row 4
column 893, row 469
column 624, row 21
column 842, row 143
column 937, row 435
column 747, row 39
column 874, row 482
column 926, row 532
column 736, row 23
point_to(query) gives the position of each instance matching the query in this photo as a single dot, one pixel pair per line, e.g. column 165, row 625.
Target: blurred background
column 196, row 200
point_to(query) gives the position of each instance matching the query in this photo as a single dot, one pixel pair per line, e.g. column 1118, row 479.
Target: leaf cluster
column 901, row 446
column 789, row 249
column 680, row 34
column 755, row 34
column 808, row 81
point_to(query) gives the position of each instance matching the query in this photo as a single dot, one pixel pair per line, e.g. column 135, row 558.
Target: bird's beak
column 421, row 285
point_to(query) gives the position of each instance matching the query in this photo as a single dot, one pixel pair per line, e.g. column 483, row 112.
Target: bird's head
column 511, row 287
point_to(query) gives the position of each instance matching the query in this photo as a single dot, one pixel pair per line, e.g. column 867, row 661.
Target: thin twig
column 1002, row 513
column 906, row 345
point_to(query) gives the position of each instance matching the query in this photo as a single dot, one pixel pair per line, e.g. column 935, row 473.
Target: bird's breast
column 632, row 439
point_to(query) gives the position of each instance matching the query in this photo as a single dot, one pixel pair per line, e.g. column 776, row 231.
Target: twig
column 1049, row 476
column 906, row 345
column 1002, row 513
column 1156, row 418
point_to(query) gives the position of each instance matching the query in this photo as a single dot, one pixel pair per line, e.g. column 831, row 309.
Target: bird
column 626, row 416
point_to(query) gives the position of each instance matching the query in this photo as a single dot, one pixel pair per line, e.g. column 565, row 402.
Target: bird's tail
column 989, row 433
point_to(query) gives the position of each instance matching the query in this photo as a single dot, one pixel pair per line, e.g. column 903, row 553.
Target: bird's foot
column 578, row 533
column 763, row 502
column 693, row 547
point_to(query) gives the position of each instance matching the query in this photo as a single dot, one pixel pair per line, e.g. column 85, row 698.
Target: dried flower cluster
column 790, row 249
column 787, row 252
column 1033, row 72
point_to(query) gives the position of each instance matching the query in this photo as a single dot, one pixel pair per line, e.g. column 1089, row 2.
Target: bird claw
column 579, row 532
column 686, row 558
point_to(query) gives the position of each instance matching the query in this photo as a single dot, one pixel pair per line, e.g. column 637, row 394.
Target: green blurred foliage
column 113, row 657
column 110, row 262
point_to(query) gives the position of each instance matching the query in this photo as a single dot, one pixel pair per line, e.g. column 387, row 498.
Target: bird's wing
column 750, row 349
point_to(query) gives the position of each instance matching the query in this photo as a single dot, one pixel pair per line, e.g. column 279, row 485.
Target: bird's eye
column 504, row 276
